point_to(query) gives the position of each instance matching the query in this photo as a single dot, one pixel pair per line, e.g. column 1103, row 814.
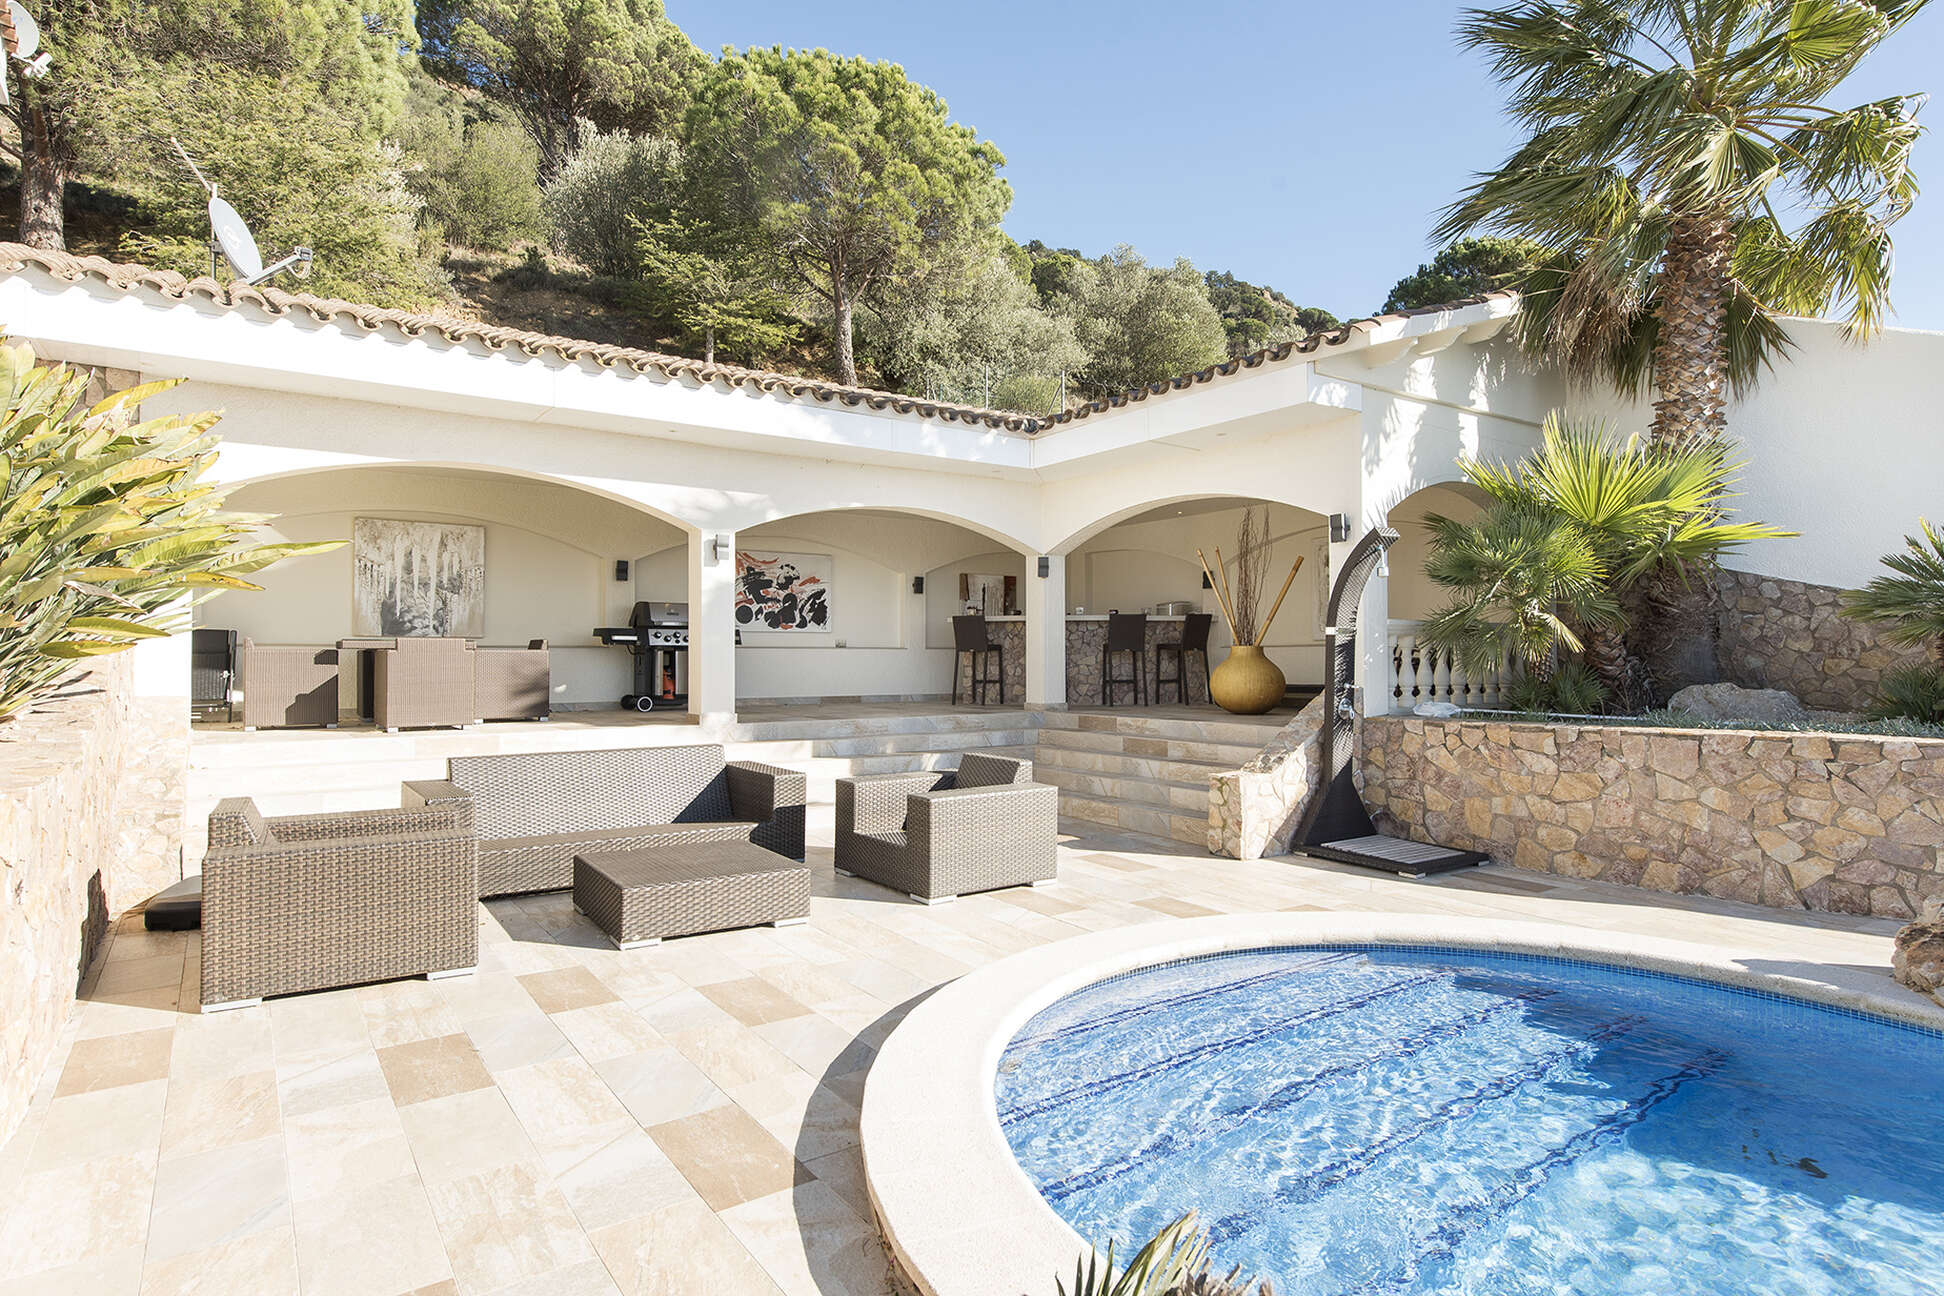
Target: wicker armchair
column 937, row 836
column 309, row 902
column 513, row 683
column 284, row 687
column 424, row 683
column 535, row 811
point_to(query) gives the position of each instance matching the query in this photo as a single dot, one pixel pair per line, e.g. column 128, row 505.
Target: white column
column 712, row 628
column 1374, row 650
column 1045, row 607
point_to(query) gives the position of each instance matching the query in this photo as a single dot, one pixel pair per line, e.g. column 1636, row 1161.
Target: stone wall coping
column 1663, row 731
column 45, row 739
column 942, row 1180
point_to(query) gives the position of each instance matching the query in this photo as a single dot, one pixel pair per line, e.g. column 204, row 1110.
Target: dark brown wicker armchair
column 513, row 683
column 938, row 836
column 308, row 902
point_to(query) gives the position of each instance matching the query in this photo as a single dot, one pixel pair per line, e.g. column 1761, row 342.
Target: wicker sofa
column 308, row 902
column 938, row 836
column 534, row 811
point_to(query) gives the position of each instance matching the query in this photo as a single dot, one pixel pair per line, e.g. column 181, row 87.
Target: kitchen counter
column 1086, row 636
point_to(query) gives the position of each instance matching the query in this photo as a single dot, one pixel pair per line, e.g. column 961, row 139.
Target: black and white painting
column 783, row 591
column 418, row 579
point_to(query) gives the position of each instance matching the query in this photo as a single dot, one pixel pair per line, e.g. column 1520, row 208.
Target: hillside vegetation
column 578, row 167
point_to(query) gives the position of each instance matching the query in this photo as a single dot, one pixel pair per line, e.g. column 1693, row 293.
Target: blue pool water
column 1440, row 1121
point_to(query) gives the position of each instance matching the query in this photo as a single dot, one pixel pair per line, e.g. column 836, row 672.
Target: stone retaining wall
column 1255, row 811
column 91, row 817
column 1840, row 823
column 1790, row 635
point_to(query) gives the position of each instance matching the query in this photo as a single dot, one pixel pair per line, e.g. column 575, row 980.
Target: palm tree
column 1525, row 581
column 1665, row 139
column 1911, row 602
column 1644, row 510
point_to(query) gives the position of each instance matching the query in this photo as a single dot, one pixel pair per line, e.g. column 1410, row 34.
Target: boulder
column 1732, row 704
column 1919, row 958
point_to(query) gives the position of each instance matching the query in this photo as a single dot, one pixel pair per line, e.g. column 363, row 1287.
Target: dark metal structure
column 1337, row 826
column 656, row 633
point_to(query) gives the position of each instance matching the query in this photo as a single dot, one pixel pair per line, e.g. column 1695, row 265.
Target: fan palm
column 1643, row 510
column 1666, row 138
column 1911, row 602
column 1526, row 582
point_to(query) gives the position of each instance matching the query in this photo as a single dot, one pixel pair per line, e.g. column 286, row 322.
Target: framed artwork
column 418, row 579
column 783, row 591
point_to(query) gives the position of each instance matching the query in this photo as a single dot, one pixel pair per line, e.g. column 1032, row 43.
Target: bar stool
column 974, row 637
column 1194, row 639
column 1126, row 633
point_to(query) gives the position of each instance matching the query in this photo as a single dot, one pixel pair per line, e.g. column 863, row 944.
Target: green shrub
column 1910, row 693
column 612, row 180
column 107, row 531
column 1911, row 602
column 1174, row 1262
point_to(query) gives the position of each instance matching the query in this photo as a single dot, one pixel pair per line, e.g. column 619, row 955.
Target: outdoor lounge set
column 401, row 683
column 653, row 842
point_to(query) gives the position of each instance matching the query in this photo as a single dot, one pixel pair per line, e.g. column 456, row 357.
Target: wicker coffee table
column 639, row 896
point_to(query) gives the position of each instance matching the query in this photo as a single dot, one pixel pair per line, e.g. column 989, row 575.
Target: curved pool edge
column 961, row 1218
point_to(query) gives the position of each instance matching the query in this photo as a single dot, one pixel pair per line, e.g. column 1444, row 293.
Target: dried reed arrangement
column 1241, row 602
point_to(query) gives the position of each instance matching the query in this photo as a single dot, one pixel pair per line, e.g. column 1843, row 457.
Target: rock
column 1919, row 958
column 1436, row 710
column 1730, row 703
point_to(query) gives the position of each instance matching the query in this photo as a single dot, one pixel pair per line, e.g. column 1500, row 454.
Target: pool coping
column 959, row 1215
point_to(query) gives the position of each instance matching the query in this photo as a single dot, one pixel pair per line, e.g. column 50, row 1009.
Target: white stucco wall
column 1844, row 443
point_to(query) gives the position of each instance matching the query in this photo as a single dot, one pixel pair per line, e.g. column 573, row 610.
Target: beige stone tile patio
column 678, row 1119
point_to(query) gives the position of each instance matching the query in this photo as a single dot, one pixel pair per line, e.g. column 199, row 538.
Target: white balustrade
column 1420, row 673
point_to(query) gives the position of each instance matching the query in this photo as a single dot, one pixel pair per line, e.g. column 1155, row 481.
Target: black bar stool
column 1194, row 639
column 1126, row 633
column 974, row 637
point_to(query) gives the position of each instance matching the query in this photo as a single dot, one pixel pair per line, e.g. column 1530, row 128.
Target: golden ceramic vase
column 1247, row 682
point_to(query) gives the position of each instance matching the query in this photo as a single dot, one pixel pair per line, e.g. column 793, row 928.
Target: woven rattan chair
column 513, row 683
column 309, row 902
column 286, row 687
column 535, row 811
column 937, row 836
column 424, row 684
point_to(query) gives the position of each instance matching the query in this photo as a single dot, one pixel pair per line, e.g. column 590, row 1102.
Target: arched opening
column 1145, row 559
column 866, row 611
column 1418, row 674
column 540, row 555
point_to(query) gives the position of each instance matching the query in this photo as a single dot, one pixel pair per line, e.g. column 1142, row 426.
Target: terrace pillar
column 712, row 627
column 1046, row 637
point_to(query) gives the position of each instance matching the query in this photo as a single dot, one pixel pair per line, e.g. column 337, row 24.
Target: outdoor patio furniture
column 513, row 683
column 424, row 684
column 936, row 836
column 988, row 660
column 212, row 670
column 638, row 896
column 309, row 902
column 357, row 660
column 1126, row 633
column 535, row 811
column 1194, row 639
column 285, row 687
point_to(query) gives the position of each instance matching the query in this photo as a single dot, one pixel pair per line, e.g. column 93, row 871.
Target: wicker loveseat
column 938, row 836
column 308, row 902
column 534, row 811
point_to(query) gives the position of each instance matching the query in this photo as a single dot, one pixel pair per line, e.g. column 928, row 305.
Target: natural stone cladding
column 1786, row 634
column 1833, row 822
column 91, row 795
column 1255, row 811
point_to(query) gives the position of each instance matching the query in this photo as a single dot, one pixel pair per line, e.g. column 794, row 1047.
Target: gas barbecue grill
column 655, row 634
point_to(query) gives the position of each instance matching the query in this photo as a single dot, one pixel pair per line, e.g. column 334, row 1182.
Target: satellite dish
column 26, row 32
column 234, row 237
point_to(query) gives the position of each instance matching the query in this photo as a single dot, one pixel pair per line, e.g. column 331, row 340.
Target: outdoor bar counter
column 1086, row 634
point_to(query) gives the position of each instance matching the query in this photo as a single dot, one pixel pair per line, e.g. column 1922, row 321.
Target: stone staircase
column 1144, row 774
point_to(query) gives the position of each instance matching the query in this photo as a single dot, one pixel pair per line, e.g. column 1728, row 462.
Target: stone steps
column 1136, row 816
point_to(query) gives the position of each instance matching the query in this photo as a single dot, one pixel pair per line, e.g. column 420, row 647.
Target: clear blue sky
column 1301, row 145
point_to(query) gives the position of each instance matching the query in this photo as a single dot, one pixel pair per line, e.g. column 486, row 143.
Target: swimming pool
column 1425, row 1120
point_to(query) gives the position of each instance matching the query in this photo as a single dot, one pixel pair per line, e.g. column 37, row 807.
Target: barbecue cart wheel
column 643, row 702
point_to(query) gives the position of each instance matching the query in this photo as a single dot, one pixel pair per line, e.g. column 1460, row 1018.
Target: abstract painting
column 418, row 579
column 783, row 591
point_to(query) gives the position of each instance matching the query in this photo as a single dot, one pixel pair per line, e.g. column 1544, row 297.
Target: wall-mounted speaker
column 620, row 569
column 917, row 584
column 1045, row 566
